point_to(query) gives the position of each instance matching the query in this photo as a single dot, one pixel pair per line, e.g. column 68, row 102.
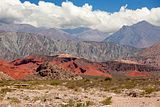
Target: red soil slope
column 20, row 68
column 80, row 66
column 138, row 74
column 17, row 72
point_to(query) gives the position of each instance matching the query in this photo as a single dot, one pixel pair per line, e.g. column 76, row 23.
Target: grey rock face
column 15, row 45
column 140, row 35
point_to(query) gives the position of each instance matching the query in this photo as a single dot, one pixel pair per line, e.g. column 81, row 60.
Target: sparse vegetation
column 73, row 103
column 13, row 100
column 41, row 98
column 89, row 103
column 55, row 82
column 107, row 101
column 132, row 87
column 112, row 85
column 149, row 89
column 26, row 98
column 5, row 90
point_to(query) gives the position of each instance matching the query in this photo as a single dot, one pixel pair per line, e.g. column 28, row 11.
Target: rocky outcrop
column 49, row 71
column 119, row 67
column 58, row 68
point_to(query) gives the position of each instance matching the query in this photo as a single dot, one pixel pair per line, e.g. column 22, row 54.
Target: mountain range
column 139, row 35
column 85, row 34
column 19, row 44
column 27, row 47
column 19, row 40
column 53, row 33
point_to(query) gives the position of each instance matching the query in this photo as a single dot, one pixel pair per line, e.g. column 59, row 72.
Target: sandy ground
column 135, row 102
column 59, row 95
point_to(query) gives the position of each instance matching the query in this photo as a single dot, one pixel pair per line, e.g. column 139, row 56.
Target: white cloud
column 68, row 15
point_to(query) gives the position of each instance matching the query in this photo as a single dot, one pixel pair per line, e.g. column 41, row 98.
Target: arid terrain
column 80, row 93
column 70, row 56
column 67, row 81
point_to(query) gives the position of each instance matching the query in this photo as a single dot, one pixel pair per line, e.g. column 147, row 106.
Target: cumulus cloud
column 68, row 15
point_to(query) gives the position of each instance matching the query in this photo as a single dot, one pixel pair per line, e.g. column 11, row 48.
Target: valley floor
column 62, row 97
column 52, row 94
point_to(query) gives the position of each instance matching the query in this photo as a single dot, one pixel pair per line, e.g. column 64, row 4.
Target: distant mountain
column 140, row 35
column 19, row 44
column 92, row 35
column 87, row 34
column 76, row 30
column 81, row 33
column 26, row 28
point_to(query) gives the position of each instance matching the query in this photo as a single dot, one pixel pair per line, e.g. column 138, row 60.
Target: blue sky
column 109, row 5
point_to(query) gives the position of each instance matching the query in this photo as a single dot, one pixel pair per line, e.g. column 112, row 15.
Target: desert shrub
column 128, row 84
column 85, row 83
column 41, row 98
column 149, row 89
column 89, row 103
column 4, row 83
column 26, row 98
column 5, row 90
column 107, row 101
column 73, row 103
column 55, row 82
column 13, row 100
column 108, row 79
